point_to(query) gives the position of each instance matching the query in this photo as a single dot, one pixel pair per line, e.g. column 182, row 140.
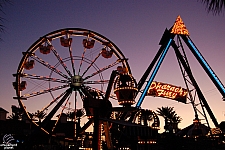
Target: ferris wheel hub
column 76, row 80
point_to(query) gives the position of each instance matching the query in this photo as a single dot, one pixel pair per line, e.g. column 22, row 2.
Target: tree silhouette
column 170, row 117
column 15, row 116
column 214, row 6
column 79, row 113
column 166, row 112
column 40, row 115
column 71, row 115
column 176, row 119
column 17, row 113
column 32, row 116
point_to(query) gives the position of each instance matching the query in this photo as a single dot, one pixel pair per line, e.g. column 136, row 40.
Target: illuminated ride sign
column 160, row 89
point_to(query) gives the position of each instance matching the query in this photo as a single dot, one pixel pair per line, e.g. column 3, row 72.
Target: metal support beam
column 205, row 65
column 110, row 84
column 107, row 135
column 54, row 110
column 138, row 105
column 96, row 142
column 199, row 92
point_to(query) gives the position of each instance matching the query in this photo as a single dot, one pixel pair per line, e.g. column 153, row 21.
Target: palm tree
column 170, row 117
column 176, row 119
column 40, row 115
column 214, row 6
column 16, row 110
column 17, row 113
column 79, row 113
column 166, row 113
column 71, row 115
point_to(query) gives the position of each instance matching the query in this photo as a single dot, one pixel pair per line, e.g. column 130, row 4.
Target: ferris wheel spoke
column 49, row 66
column 72, row 60
column 45, row 78
column 97, row 82
column 103, row 69
column 55, row 109
column 81, row 61
column 36, row 85
column 91, row 64
column 61, row 62
column 59, row 58
column 44, row 91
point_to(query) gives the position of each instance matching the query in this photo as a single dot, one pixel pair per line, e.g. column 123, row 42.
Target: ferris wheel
column 63, row 67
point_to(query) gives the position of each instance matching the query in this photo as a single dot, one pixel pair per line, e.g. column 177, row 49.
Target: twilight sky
column 135, row 27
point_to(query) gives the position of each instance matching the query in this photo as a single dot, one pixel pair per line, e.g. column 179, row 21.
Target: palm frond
column 2, row 3
column 214, row 6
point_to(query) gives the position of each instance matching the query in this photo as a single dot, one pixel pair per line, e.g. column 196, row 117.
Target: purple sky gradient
column 135, row 27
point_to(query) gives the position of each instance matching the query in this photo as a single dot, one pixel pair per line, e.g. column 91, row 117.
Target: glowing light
column 147, row 142
column 168, row 91
column 126, row 102
column 125, row 88
column 179, row 27
column 212, row 74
